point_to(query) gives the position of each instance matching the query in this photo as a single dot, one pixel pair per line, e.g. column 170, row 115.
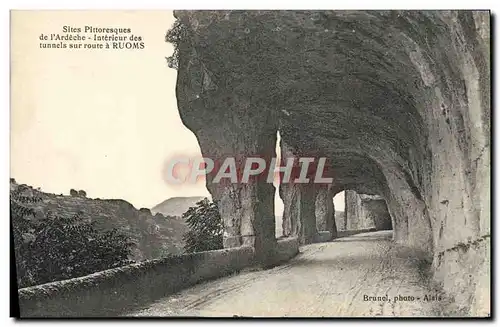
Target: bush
column 73, row 192
column 82, row 193
column 50, row 248
column 206, row 227
column 177, row 34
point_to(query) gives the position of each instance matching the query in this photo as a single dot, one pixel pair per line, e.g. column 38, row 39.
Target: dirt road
column 361, row 275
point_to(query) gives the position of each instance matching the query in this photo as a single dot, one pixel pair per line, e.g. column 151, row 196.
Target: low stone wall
column 111, row 292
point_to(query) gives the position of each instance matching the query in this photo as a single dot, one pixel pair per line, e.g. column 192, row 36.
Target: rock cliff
column 398, row 101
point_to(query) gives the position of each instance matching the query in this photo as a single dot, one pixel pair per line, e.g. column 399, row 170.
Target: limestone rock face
column 399, row 101
column 325, row 210
column 376, row 209
column 340, row 220
column 302, row 210
column 365, row 211
column 231, row 126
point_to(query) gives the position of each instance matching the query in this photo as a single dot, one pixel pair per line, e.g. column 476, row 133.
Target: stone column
column 299, row 200
column 247, row 209
column 231, row 126
column 290, row 195
column 352, row 210
column 307, row 213
column 325, row 210
column 299, row 215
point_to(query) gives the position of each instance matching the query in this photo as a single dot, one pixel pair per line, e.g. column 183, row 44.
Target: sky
column 103, row 121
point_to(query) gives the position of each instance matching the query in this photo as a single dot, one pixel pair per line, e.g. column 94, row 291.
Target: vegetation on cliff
column 153, row 236
column 175, row 35
column 55, row 248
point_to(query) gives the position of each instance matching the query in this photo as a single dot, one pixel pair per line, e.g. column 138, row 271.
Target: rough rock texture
column 340, row 221
column 376, row 208
column 155, row 236
column 365, row 211
column 299, row 215
column 355, row 219
column 299, row 201
column 325, row 211
column 399, row 101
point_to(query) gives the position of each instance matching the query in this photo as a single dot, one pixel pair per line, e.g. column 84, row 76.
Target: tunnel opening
column 278, row 202
column 339, row 209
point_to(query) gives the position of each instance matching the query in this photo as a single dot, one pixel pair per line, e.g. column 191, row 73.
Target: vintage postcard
column 243, row 163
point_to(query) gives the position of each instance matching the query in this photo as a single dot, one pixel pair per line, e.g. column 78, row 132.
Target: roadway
column 358, row 276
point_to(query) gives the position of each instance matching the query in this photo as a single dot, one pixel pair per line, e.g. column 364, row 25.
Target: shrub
column 82, row 193
column 73, row 192
column 53, row 248
column 206, row 227
column 177, row 34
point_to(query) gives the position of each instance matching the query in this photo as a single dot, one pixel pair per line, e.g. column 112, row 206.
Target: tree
column 73, row 192
column 82, row 193
column 55, row 248
column 206, row 227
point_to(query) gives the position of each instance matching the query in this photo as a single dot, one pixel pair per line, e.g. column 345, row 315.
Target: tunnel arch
column 396, row 99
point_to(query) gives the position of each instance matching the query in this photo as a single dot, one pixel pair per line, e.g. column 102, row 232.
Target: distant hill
column 176, row 206
column 155, row 235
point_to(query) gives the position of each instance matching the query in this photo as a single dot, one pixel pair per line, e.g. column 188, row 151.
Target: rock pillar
column 325, row 210
column 247, row 208
column 352, row 210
